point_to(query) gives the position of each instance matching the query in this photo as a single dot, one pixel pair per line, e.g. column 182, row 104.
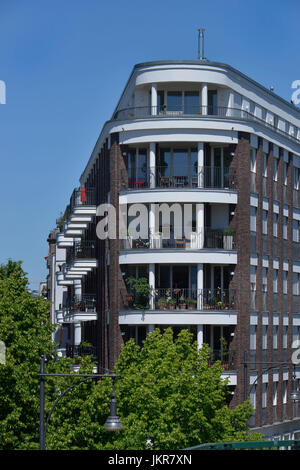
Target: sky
column 65, row 64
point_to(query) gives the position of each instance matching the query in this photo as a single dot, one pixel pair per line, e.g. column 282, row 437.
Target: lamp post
column 294, row 395
column 112, row 423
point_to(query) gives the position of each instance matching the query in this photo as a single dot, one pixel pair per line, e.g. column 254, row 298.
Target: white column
column 200, row 225
column 204, row 98
column 152, row 165
column 199, row 336
column 77, row 288
column 153, row 99
column 152, row 284
column 200, row 286
column 153, row 242
column 230, row 110
column 77, row 333
column 200, row 165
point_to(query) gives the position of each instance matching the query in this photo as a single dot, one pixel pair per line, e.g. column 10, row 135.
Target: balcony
column 82, row 256
column 74, row 351
column 183, row 177
column 227, row 359
column 80, row 308
column 181, row 299
column 200, row 112
column 82, row 203
column 194, row 240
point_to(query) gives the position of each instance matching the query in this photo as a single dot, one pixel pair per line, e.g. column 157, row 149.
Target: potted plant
column 191, row 303
column 172, row 303
column 228, row 238
column 162, row 303
column 142, row 289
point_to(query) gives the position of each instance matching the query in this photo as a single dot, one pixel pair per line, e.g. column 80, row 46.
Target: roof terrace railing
column 222, row 112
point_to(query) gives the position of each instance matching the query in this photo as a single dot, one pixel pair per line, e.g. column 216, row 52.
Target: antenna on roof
column 201, row 44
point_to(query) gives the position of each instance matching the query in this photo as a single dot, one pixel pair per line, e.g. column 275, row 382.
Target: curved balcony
column 181, row 299
column 203, row 112
column 195, row 240
column 80, row 308
column 184, row 177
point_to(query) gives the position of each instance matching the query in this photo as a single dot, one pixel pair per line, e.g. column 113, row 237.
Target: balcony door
column 137, row 167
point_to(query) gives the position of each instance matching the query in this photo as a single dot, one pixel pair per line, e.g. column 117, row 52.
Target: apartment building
column 198, row 169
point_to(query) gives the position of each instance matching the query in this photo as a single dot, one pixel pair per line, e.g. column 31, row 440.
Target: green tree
column 25, row 328
column 167, row 391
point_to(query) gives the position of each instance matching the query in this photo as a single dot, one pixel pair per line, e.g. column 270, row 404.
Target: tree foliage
column 25, row 329
column 167, row 391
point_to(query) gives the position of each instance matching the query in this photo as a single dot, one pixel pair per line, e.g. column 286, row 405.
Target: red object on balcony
column 82, row 194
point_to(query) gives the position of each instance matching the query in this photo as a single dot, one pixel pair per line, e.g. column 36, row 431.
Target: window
column 212, row 102
column 275, row 225
column 296, row 178
column 274, row 393
column 253, row 160
column 284, row 336
column 253, row 211
column 264, row 279
column 285, row 170
column 284, row 227
column 295, row 231
column 253, row 337
column 264, row 395
column 264, row 222
column 275, row 337
column 191, row 102
column 265, row 165
column 275, row 169
column 174, row 101
column 295, row 284
column 285, row 281
column 275, row 281
column 264, row 336
column 284, row 391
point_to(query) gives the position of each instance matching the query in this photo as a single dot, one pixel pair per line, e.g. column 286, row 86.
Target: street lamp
column 112, row 423
column 294, row 395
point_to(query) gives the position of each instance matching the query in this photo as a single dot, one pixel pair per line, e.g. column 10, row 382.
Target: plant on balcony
column 162, row 303
column 228, row 238
column 191, row 303
column 172, row 303
column 142, row 290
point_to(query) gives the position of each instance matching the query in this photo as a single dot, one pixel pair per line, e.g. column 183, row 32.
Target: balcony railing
column 81, row 197
column 210, row 177
column 84, row 249
column 82, row 303
column 202, row 112
column 169, row 237
column 80, row 350
column 227, row 359
column 182, row 299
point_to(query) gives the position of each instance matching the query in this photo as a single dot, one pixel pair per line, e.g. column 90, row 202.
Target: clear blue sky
column 65, row 64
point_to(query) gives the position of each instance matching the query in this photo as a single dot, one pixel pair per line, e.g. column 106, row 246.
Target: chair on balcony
column 180, row 242
column 194, row 181
column 164, row 181
column 180, row 181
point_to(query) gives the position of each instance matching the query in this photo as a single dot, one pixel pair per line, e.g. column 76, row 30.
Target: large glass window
column 212, row 102
column 191, row 102
column 174, row 101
